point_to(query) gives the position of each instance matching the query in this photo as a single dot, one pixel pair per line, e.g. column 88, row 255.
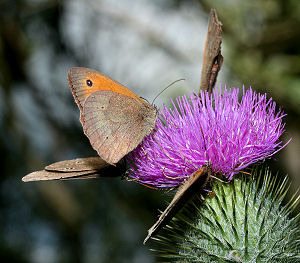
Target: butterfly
column 114, row 119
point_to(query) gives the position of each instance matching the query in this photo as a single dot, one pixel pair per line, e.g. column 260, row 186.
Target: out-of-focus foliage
column 145, row 45
column 261, row 46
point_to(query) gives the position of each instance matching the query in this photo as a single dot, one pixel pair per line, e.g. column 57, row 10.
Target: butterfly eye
column 89, row 82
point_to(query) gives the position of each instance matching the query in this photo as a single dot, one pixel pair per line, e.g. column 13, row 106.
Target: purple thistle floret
column 211, row 129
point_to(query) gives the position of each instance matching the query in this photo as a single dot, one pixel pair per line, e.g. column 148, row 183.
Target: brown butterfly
column 113, row 118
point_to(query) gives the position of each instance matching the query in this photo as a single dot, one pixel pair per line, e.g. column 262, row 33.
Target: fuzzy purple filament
column 211, row 129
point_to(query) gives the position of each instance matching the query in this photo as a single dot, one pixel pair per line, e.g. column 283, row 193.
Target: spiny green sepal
column 244, row 221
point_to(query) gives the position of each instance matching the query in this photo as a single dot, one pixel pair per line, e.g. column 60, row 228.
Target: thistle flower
column 211, row 129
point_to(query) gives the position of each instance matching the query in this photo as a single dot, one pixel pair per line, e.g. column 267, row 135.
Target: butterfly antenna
column 145, row 99
column 165, row 89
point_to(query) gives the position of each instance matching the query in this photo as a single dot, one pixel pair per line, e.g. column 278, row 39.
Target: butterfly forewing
column 85, row 81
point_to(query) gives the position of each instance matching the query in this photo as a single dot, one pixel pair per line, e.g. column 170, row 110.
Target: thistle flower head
column 211, row 129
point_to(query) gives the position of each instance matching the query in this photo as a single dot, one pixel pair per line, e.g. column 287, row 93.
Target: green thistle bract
column 244, row 221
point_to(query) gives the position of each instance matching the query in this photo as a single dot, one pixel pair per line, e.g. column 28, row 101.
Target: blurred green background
column 145, row 45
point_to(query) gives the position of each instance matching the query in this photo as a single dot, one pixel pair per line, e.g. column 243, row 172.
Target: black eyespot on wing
column 89, row 83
